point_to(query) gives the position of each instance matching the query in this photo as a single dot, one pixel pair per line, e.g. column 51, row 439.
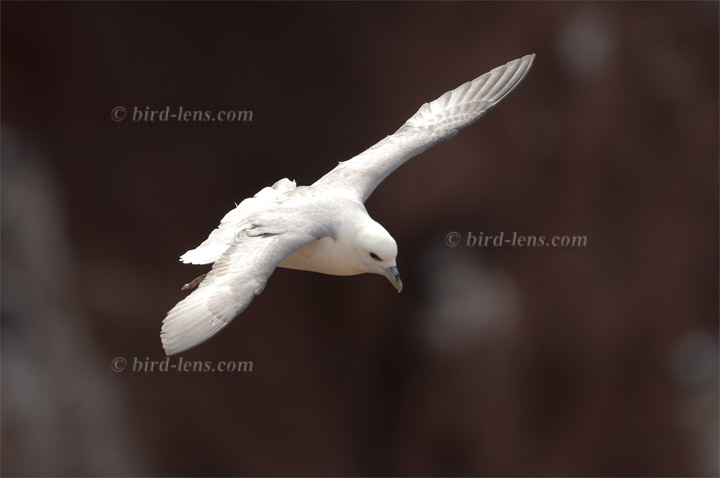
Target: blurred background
column 499, row 361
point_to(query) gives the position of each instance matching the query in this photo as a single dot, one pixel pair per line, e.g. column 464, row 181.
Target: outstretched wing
column 434, row 123
column 235, row 279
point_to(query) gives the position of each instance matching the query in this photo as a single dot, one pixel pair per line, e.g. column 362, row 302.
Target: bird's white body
column 330, row 254
column 326, row 255
column 323, row 227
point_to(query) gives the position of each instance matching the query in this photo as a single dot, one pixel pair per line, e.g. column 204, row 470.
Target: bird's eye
column 374, row 256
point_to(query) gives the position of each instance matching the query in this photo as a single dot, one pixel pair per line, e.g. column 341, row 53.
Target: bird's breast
column 326, row 256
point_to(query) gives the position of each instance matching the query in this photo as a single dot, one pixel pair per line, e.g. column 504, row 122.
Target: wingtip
column 174, row 343
column 170, row 350
column 529, row 60
column 525, row 61
column 515, row 72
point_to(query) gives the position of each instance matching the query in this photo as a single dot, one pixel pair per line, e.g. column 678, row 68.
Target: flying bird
column 323, row 227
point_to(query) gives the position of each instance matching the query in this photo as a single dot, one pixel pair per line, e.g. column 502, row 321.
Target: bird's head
column 377, row 252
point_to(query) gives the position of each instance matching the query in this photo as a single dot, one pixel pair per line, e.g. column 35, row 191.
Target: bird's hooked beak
column 393, row 275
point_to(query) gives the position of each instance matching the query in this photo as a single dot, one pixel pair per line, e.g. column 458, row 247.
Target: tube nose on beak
column 393, row 276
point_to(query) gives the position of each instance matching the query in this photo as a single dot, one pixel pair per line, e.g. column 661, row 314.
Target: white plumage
column 323, row 227
column 221, row 238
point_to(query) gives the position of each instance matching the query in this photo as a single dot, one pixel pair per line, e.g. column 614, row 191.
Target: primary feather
column 433, row 123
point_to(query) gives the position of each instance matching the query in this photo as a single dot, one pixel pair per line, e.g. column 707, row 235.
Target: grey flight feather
column 434, row 123
column 235, row 279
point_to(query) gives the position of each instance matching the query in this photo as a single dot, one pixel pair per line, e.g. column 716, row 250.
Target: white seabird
column 323, row 227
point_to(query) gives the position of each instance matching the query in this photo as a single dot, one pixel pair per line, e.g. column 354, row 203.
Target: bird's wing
column 235, row 279
column 434, row 123
column 222, row 237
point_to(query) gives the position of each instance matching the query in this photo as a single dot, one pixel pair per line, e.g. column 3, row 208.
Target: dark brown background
column 493, row 361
